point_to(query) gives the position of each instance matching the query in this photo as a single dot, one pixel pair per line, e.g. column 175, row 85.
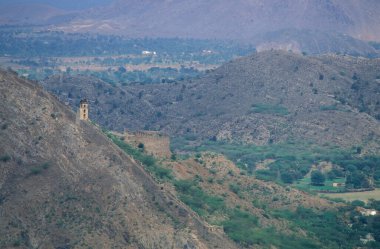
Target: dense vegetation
column 328, row 226
column 193, row 196
column 292, row 161
column 241, row 226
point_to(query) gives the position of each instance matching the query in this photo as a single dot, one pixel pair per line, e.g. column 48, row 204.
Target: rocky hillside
column 63, row 184
column 264, row 98
column 274, row 96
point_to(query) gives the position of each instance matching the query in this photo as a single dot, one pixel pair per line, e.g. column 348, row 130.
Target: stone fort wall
column 155, row 143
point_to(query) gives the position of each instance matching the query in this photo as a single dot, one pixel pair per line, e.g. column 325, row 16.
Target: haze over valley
column 190, row 124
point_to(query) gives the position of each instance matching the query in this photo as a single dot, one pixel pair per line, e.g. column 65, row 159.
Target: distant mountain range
column 240, row 19
column 29, row 13
column 65, row 5
column 311, row 26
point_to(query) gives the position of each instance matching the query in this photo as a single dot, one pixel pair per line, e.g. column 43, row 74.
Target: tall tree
column 317, row 178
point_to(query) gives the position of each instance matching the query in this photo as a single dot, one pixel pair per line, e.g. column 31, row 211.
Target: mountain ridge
column 238, row 20
column 304, row 26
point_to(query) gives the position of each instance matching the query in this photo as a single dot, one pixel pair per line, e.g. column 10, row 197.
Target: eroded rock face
column 64, row 185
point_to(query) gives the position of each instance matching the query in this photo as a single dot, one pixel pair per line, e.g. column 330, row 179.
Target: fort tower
column 83, row 110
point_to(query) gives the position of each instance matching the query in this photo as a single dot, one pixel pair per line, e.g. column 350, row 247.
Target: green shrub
column 244, row 229
column 141, row 146
column 287, row 177
column 357, row 180
column 258, row 204
column 193, row 196
column 16, row 243
column 212, row 171
column 5, row 158
column 328, row 227
column 265, row 175
column 317, row 178
column 39, row 169
column 358, row 203
column 45, row 165
column 241, row 227
column 35, row 171
column 328, row 108
column 220, row 181
column 269, row 109
column 235, row 188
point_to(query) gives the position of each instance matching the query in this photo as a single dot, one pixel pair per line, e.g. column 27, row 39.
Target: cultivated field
column 363, row 196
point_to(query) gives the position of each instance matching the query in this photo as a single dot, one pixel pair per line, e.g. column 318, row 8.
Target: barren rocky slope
column 267, row 97
column 65, row 185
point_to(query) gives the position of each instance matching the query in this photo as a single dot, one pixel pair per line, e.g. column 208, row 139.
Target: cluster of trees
column 293, row 160
column 317, row 178
column 354, row 180
column 359, row 172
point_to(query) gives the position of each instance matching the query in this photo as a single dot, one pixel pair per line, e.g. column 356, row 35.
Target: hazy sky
column 64, row 4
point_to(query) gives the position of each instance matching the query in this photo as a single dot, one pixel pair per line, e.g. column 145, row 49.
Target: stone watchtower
column 83, row 110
